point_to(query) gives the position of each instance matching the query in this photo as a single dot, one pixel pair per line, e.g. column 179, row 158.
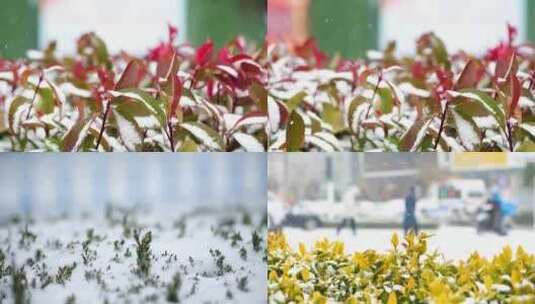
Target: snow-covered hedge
column 175, row 98
column 408, row 273
column 432, row 101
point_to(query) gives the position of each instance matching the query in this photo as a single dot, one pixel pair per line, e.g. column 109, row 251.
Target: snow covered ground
column 454, row 242
column 211, row 258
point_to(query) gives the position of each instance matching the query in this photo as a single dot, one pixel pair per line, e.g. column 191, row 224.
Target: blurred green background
column 221, row 20
column 348, row 27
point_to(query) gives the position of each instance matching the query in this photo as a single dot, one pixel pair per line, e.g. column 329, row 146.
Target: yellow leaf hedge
column 407, row 273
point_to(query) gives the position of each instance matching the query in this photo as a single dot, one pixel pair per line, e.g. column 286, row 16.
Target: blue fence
column 53, row 184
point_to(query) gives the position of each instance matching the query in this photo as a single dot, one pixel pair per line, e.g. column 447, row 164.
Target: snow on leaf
column 204, row 134
column 412, row 138
column 14, row 108
column 153, row 105
column 467, row 132
column 275, row 114
column 528, row 127
column 128, row 129
column 325, row 141
column 248, row 142
column 486, row 101
column 72, row 140
column 251, row 118
column 69, row 89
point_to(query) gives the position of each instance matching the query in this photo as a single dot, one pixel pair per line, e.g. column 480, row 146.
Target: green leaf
column 353, row 106
column 466, row 128
column 155, row 106
column 101, row 50
column 412, row 138
column 387, row 101
column 294, row 102
column 295, row 133
column 204, row 135
column 128, row 128
column 249, row 142
column 46, row 102
column 439, row 51
column 327, row 142
column 489, row 104
column 75, row 136
column 333, row 116
column 188, row 146
column 528, row 128
column 13, row 107
column 259, row 94
column 526, row 147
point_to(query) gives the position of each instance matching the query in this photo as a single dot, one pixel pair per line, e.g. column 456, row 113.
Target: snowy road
column 454, row 242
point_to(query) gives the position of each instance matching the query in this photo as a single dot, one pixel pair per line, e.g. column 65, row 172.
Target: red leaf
column 173, row 32
column 204, row 53
column 512, row 33
column 224, row 56
column 167, row 65
column 516, row 89
column 132, row 75
column 79, row 71
column 106, row 78
column 176, row 93
column 470, row 76
column 309, row 49
column 251, row 67
column 505, row 64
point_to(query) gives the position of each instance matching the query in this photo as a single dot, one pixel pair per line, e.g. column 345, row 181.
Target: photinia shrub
column 175, row 98
column 432, row 101
column 408, row 273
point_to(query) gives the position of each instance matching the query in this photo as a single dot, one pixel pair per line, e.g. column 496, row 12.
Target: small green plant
column 143, row 252
column 88, row 255
column 242, row 284
column 235, row 238
column 243, row 253
column 65, row 273
column 19, row 286
column 26, row 237
column 180, row 224
column 246, row 219
column 71, row 299
column 219, row 259
column 173, row 288
column 256, row 239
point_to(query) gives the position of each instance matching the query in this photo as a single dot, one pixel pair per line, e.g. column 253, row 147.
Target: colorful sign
column 479, row 160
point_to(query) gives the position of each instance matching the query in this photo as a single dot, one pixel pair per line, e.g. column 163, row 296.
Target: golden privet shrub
column 408, row 273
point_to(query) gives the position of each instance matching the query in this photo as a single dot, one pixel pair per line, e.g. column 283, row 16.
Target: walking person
column 409, row 220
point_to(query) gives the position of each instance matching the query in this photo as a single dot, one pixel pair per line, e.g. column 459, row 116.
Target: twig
column 35, row 95
column 443, row 119
column 101, row 132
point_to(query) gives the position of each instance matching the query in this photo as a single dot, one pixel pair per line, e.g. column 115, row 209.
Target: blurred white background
column 132, row 25
column 471, row 25
column 53, row 184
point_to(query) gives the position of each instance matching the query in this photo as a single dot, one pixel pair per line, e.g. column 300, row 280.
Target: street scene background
column 360, row 198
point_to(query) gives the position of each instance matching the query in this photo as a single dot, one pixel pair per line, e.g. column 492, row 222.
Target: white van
column 458, row 199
